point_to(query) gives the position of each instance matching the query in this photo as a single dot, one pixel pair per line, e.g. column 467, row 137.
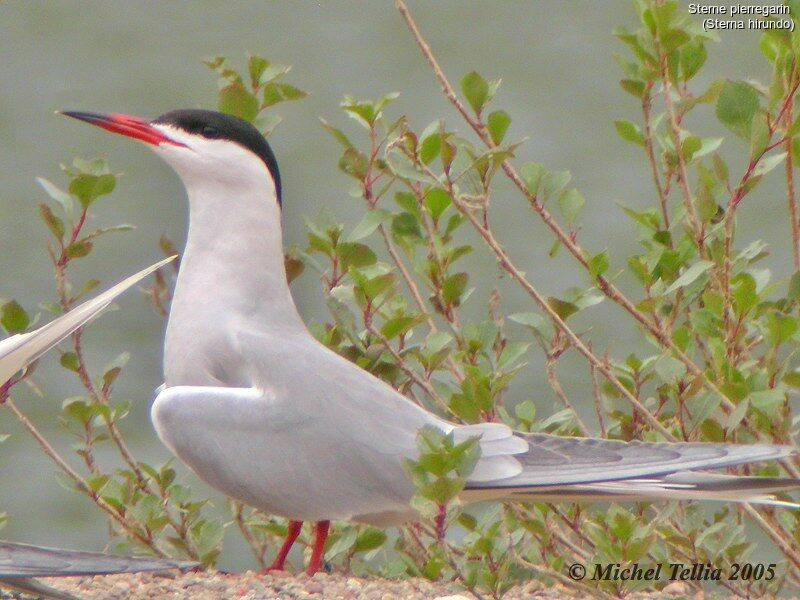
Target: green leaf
column 633, row 87
column 368, row 224
column 533, row 320
column 336, row 133
column 362, row 112
column 707, row 146
column 94, row 166
column 436, row 202
column 352, row 254
column 690, row 145
column 79, row 249
column 765, row 165
column 531, row 174
column 759, row 135
column 511, row 354
column 570, row 202
column 690, row 275
column 672, row 39
column 406, row 225
column 692, row 57
column 737, row 415
column 554, row 181
column 497, row 123
column 562, row 308
column 598, row 264
column 400, row 325
column 475, row 90
column 453, row 287
column 104, row 230
column 369, row 539
column 273, row 72
column 669, row 369
column 792, row 378
column 13, row 317
column 737, row 104
column 375, row 286
column 87, row 188
column 57, row 194
column 779, row 327
column 768, row 401
column 629, row 132
column 54, row 224
column 793, row 292
column 256, row 65
column 69, row 360
column 280, row 92
column 406, row 169
column 354, row 163
column 235, row 100
column 744, row 292
column 429, row 148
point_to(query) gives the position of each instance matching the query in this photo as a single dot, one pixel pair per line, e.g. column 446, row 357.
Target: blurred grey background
column 560, row 85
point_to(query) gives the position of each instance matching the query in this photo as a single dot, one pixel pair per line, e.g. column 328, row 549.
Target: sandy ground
column 254, row 586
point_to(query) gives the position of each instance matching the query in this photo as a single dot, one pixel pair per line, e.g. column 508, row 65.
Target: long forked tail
column 586, row 469
column 18, row 351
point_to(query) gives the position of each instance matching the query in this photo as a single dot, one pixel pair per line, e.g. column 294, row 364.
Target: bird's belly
column 273, row 473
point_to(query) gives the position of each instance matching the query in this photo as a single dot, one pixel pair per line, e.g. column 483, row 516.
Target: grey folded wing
column 23, row 560
column 552, row 460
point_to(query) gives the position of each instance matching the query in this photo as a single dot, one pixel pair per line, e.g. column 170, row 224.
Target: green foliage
column 441, row 469
column 13, row 317
column 249, row 95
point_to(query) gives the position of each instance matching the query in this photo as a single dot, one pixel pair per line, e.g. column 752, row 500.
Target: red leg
column 291, row 535
column 320, row 535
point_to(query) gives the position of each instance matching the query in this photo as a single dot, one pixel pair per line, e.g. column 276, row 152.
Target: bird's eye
column 210, row 132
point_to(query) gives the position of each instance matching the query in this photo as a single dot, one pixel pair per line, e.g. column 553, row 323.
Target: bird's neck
column 232, row 273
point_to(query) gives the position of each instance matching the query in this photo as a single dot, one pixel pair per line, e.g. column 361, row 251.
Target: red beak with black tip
column 132, row 127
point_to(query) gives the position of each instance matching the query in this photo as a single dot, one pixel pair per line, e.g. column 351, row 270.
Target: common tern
column 262, row 411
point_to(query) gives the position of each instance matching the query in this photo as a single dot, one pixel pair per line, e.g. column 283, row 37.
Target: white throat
column 232, row 276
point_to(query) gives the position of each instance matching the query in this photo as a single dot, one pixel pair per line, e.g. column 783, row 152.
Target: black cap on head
column 216, row 125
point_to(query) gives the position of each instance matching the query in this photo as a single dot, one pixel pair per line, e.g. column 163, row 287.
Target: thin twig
column 552, row 379
column 787, row 550
column 597, row 401
column 794, row 222
column 255, row 547
column 675, row 134
column 663, row 198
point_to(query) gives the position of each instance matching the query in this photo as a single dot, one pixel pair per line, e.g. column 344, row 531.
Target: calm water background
column 559, row 86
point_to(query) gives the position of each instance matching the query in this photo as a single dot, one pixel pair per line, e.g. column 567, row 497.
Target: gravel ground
column 254, row 586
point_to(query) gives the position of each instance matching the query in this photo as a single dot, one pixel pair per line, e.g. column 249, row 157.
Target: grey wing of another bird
column 20, row 562
column 35, row 588
column 18, row 351
column 24, row 560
